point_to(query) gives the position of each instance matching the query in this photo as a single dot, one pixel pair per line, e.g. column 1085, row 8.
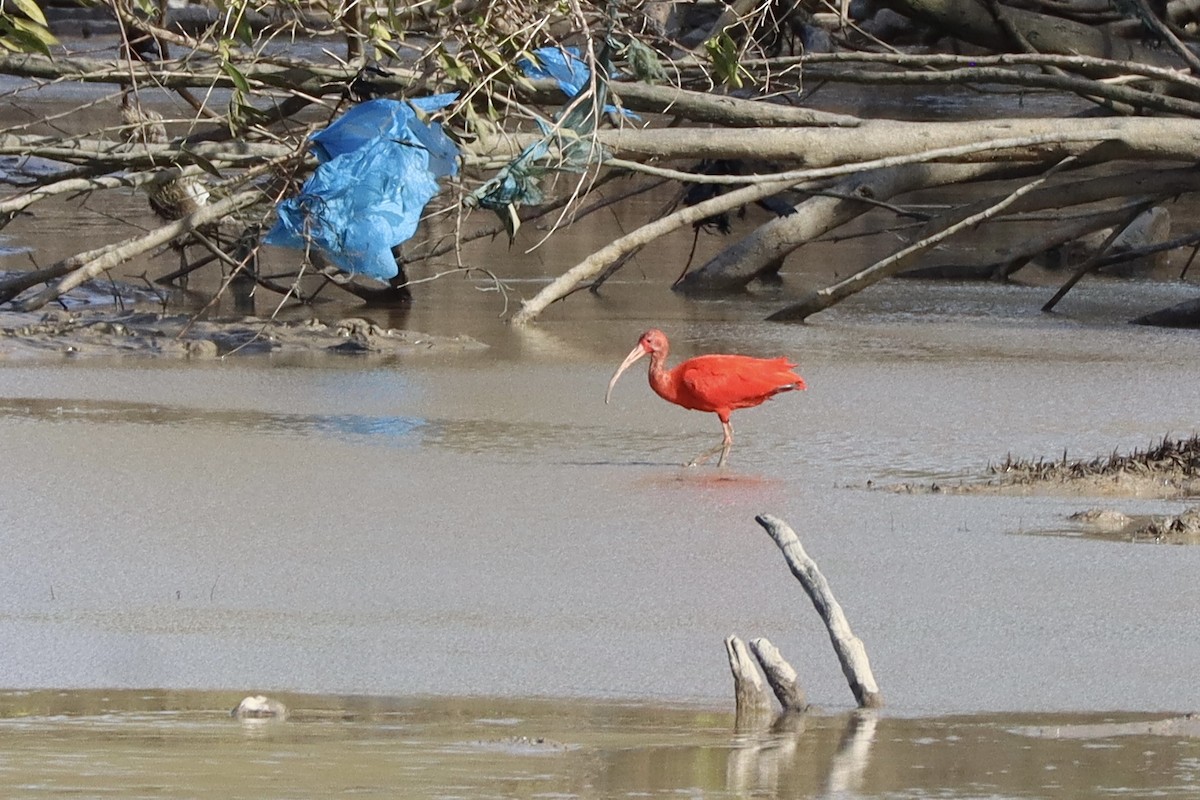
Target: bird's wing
column 729, row 381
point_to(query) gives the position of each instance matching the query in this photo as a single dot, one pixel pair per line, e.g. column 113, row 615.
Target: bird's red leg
column 726, row 443
column 722, row 448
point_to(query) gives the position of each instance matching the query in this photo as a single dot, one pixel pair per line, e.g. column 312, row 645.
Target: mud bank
column 101, row 333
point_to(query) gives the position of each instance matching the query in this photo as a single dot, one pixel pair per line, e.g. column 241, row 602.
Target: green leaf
column 25, row 36
column 723, row 51
column 235, row 75
column 644, row 62
column 456, row 70
column 203, row 163
column 244, row 33
column 30, row 9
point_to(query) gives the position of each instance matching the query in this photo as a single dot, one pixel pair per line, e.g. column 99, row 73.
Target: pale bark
column 831, row 295
column 849, row 648
column 780, row 675
column 277, row 74
column 594, row 264
column 750, row 696
column 973, row 22
column 1046, row 140
column 1131, row 98
column 10, row 206
column 761, row 250
column 776, row 182
column 116, row 154
column 318, row 80
column 707, row 107
column 724, row 109
column 85, row 266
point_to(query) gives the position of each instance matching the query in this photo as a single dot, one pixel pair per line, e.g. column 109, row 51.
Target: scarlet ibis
column 716, row 383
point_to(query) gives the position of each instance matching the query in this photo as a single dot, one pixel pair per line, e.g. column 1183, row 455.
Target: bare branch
column 831, row 295
column 84, row 266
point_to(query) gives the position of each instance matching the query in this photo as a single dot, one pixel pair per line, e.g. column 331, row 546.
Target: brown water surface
column 408, row 549
column 155, row 744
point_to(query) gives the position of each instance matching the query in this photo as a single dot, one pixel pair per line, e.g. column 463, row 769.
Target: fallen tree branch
column 762, row 249
column 1030, row 139
column 289, row 76
column 965, row 76
column 831, row 295
column 1002, row 263
column 1089, row 264
column 116, row 154
column 83, row 266
column 849, row 648
column 11, row 206
column 597, row 261
column 1089, row 65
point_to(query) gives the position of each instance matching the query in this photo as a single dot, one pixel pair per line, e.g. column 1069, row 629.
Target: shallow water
column 482, row 524
column 408, row 550
column 180, row 744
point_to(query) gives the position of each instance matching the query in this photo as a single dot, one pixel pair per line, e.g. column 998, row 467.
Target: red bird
column 716, row 383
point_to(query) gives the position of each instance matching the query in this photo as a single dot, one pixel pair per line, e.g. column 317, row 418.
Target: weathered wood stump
column 748, row 686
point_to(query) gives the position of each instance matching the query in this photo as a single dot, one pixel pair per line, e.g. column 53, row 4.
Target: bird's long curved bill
column 633, row 356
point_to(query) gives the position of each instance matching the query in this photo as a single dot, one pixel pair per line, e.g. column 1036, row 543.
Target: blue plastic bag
column 379, row 168
column 564, row 66
column 391, row 119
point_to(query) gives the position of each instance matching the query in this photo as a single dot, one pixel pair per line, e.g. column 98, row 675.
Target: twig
column 1090, row 263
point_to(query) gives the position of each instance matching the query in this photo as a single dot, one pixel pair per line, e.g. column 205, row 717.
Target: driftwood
column 1181, row 315
column 1001, row 264
column 761, row 251
column 79, row 268
column 1077, row 49
column 1093, row 261
column 748, row 687
column 752, row 703
column 823, row 299
column 1041, row 140
column 831, row 153
column 780, row 675
column 594, row 264
column 849, row 648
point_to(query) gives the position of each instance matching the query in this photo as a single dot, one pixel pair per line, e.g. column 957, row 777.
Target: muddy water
column 450, row 525
column 408, row 550
column 480, row 524
column 151, row 744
